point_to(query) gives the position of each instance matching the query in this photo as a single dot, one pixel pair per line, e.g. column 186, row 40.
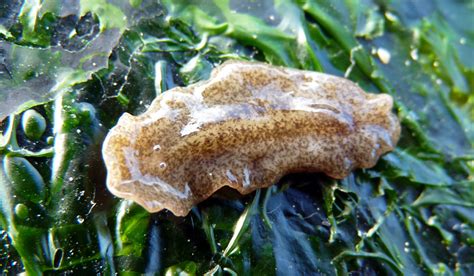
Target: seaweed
column 77, row 68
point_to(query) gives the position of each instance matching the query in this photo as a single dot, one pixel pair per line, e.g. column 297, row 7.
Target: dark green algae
column 411, row 214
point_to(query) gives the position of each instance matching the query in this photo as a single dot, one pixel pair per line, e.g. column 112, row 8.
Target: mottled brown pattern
column 245, row 127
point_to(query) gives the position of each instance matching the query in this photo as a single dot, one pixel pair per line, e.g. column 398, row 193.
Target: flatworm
column 246, row 127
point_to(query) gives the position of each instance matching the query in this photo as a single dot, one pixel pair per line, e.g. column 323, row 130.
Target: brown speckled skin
column 245, row 127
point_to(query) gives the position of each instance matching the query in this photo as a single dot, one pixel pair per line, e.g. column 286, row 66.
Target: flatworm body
column 246, row 127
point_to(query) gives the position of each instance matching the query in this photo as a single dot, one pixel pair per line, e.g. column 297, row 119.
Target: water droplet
column 462, row 41
column 156, row 147
column 271, row 17
column 436, row 64
column 384, row 55
column 391, row 17
column 162, row 165
column 71, row 178
column 21, row 211
column 78, row 131
column 414, row 54
column 407, row 62
column 254, row 36
column 347, row 163
column 79, row 219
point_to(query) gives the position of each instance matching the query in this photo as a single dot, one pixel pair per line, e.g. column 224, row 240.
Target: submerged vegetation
column 68, row 72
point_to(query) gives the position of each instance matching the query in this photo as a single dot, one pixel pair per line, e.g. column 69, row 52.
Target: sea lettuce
column 78, row 67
